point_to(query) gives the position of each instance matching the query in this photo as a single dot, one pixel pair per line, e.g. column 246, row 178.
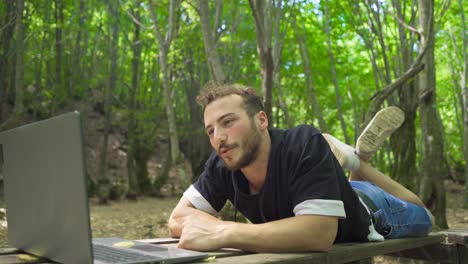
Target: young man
column 289, row 184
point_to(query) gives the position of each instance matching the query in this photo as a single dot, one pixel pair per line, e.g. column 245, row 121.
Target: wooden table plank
column 457, row 235
column 340, row 253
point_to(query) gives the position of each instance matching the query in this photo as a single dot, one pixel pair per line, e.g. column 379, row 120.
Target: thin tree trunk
column 331, row 56
column 373, row 9
column 164, row 46
column 278, row 43
column 261, row 11
column 6, row 39
column 433, row 160
column 212, row 57
column 19, row 73
column 104, row 182
column 77, row 72
column 59, row 95
column 464, row 86
column 368, row 41
column 308, row 78
column 13, row 120
column 403, row 168
column 134, row 188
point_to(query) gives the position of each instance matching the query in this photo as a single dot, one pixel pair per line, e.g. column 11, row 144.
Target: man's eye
column 210, row 132
column 227, row 122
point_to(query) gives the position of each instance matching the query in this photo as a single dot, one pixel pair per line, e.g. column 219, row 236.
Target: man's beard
column 250, row 147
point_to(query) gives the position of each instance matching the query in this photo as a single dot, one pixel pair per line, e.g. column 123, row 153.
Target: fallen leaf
column 126, row 244
column 25, row 257
column 210, row 259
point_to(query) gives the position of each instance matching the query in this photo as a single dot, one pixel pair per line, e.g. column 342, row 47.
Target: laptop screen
column 45, row 189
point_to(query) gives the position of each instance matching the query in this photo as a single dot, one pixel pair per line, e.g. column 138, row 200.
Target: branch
column 134, row 19
column 156, row 26
column 258, row 23
column 401, row 22
column 219, row 9
column 170, row 31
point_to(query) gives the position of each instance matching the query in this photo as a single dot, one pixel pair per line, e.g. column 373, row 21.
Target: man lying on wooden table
column 290, row 184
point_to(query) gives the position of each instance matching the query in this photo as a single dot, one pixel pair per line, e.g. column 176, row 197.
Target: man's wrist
column 229, row 234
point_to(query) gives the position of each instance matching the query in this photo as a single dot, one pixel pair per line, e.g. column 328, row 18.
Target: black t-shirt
column 303, row 178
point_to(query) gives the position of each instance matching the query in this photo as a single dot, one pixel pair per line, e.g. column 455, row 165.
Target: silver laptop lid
column 45, row 189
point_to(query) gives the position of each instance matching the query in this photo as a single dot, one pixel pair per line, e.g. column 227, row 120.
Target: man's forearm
column 295, row 234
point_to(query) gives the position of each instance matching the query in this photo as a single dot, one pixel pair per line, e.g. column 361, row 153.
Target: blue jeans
column 394, row 217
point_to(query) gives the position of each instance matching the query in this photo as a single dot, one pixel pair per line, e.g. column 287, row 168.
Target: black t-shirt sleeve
column 313, row 174
column 210, row 192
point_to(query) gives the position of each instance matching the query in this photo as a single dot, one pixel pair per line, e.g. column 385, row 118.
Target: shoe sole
column 384, row 123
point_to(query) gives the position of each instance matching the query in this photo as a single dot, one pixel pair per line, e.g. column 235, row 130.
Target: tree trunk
column 59, row 95
column 278, row 43
column 212, row 57
column 333, row 73
column 310, row 89
column 433, row 161
column 77, row 72
column 134, row 189
column 6, row 39
column 19, row 72
column 261, row 11
column 14, row 119
column 164, row 46
column 464, row 87
column 104, row 181
column 403, row 168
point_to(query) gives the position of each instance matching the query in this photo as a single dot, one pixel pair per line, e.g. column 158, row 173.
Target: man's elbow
column 320, row 245
column 323, row 240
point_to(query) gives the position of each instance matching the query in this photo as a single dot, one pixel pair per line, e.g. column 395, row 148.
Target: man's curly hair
column 213, row 90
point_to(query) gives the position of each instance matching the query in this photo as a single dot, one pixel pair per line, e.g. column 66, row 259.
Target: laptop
column 43, row 168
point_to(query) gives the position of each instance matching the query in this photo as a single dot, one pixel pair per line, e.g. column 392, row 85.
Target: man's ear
column 262, row 120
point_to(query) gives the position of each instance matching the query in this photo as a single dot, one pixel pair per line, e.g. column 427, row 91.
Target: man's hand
column 183, row 211
column 202, row 235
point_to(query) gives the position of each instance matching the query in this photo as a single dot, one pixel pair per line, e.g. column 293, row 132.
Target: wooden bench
column 449, row 246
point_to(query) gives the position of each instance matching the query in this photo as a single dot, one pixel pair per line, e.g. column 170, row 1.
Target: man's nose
column 219, row 137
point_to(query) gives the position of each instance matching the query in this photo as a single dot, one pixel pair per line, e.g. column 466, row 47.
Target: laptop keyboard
column 114, row 255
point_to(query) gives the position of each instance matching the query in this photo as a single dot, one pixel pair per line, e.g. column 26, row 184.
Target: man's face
column 233, row 134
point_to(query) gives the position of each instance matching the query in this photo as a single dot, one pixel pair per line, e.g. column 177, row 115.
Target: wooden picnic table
column 449, row 246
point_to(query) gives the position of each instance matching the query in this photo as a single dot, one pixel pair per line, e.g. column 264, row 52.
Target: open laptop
column 43, row 168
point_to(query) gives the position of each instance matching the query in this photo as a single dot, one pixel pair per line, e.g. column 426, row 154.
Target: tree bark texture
column 212, row 56
column 278, row 44
column 164, row 46
column 134, row 189
column 402, row 142
column 433, row 162
column 19, row 72
column 261, row 11
column 104, row 181
column 60, row 94
column 76, row 77
column 464, row 87
column 6, row 40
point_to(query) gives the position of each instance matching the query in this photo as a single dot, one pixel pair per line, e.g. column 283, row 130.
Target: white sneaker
column 344, row 153
column 384, row 123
